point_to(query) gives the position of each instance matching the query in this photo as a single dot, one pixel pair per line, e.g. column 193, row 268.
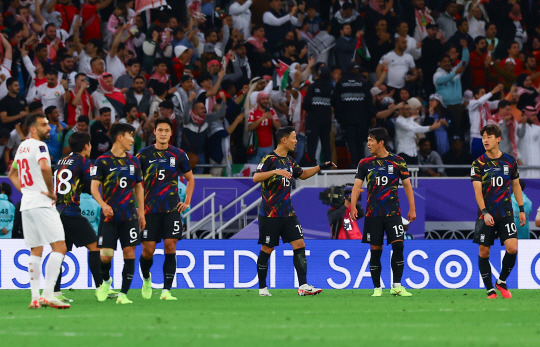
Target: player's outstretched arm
column 488, row 219
column 310, row 172
column 518, row 193
column 263, row 176
column 139, row 196
column 357, row 189
column 14, row 176
column 190, row 186
column 94, row 189
column 407, row 186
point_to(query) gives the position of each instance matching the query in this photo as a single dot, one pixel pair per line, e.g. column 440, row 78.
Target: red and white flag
column 143, row 5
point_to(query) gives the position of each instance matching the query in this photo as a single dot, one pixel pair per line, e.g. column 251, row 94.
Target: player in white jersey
column 31, row 174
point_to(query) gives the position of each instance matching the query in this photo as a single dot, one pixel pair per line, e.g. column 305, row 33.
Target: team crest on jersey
column 260, row 166
column 172, row 162
column 132, row 169
column 93, row 170
column 390, row 169
column 506, row 170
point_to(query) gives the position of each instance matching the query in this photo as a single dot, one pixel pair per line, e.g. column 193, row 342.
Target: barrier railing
column 209, row 217
column 240, row 200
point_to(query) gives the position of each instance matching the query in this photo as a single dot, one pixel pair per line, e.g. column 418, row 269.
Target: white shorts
column 42, row 226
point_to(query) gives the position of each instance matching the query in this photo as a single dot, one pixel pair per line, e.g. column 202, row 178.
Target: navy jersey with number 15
column 382, row 175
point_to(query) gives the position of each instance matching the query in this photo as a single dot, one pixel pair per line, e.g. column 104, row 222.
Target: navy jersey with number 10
column 276, row 191
column 496, row 176
column 161, row 171
column 382, row 175
column 71, row 179
column 118, row 177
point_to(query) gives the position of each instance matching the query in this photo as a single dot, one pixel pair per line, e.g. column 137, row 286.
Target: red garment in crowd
column 67, row 12
column 265, row 131
column 91, row 23
column 478, row 70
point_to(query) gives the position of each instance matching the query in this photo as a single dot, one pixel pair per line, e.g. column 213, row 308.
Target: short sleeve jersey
column 265, row 129
column 496, row 176
column 27, row 158
column 118, row 177
column 161, row 170
column 276, row 191
column 382, row 176
column 71, row 178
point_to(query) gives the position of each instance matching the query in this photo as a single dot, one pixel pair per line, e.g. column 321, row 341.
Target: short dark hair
column 168, row 104
column 203, row 77
column 10, row 81
column 139, row 77
column 423, row 140
column 132, row 62
column 488, row 24
column 283, row 132
column 77, row 140
column 477, row 39
column 129, row 106
column 491, row 129
column 104, row 110
column 6, row 188
column 477, row 89
column 65, row 56
column 51, row 70
column 461, row 21
column 40, row 46
column 34, row 105
column 50, row 25
column 379, row 134
column 95, row 59
column 50, row 110
column 79, row 75
column 31, row 119
column 83, row 119
column 120, row 129
column 503, row 104
column 161, row 120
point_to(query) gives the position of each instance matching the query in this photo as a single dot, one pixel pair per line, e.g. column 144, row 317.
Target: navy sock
column 105, row 270
column 300, row 264
column 127, row 274
column 145, row 265
column 397, row 261
column 485, row 272
column 262, row 268
column 375, row 267
column 94, row 263
column 169, row 270
column 508, row 263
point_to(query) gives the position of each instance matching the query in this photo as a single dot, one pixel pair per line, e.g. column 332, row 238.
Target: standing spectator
column 53, row 93
column 124, row 82
column 457, row 156
column 137, row 120
column 477, row 27
column 432, row 50
column 353, row 110
column 505, row 120
column 241, row 16
column 522, row 231
column 526, row 91
column 414, row 48
column 108, row 96
column 513, row 55
column 182, row 57
column 406, row 130
column 528, row 133
column 263, row 119
column 80, row 100
column 478, row 63
column 345, row 46
column 7, row 211
column 82, row 125
column 494, row 44
column 461, row 34
column 479, row 112
column 117, row 54
column 532, row 70
column 447, row 20
column 426, row 156
column 91, row 19
column 322, row 44
column 68, row 12
column 317, row 103
column 139, row 95
column 447, row 81
column 66, row 71
column 56, row 134
column 91, row 51
column 15, row 139
column 401, row 68
column 101, row 142
column 346, row 15
column 420, row 17
column 13, row 106
column 378, row 44
column 277, row 22
column 440, row 138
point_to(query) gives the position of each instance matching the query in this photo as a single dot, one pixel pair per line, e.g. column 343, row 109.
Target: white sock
column 52, row 270
column 395, row 285
column 499, row 281
column 34, row 270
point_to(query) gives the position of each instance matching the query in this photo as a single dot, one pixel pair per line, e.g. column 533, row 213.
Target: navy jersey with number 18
column 71, row 178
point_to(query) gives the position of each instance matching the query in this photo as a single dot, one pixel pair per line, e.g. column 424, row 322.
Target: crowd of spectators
column 229, row 72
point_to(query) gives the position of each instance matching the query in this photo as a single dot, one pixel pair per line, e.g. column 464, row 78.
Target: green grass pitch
column 242, row 318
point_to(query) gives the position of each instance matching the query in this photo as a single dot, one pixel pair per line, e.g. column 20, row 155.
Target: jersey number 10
column 497, row 181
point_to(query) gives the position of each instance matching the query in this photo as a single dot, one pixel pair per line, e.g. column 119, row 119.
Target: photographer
column 341, row 224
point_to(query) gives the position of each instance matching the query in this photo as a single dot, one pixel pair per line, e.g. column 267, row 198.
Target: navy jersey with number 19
column 382, row 175
column 71, row 178
column 276, row 191
column 496, row 176
column 118, row 177
column 161, row 171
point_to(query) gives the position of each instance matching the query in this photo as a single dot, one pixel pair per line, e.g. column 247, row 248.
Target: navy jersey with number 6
column 161, row 171
column 71, row 178
column 276, row 191
column 382, row 176
column 496, row 176
column 118, row 177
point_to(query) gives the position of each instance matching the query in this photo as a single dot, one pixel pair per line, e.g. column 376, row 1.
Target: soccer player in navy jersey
column 162, row 165
column 72, row 178
column 276, row 214
column 382, row 172
column 119, row 175
column 492, row 174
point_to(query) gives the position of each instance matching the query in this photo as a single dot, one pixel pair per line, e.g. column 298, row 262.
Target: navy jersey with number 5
column 71, row 178
column 496, row 176
column 276, row 191
column 118, row 177
column 161, row 170
column 382, row 176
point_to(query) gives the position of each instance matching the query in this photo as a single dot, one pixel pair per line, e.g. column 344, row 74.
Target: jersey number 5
column 24, row 173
